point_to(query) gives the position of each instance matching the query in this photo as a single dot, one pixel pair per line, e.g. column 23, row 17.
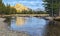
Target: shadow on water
column 8, row 20
column 53, row 28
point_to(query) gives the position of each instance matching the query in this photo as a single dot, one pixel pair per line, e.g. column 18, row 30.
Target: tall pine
column 52, row 7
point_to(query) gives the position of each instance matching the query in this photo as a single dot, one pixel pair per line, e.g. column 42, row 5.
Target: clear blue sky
column 33, row 4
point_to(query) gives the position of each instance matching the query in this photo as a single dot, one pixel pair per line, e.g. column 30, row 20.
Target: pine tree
column 52, row 7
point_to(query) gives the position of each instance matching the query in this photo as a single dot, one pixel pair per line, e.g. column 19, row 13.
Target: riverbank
column 4, row 31
column 53, row 28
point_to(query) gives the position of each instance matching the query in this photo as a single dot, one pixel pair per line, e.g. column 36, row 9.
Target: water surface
column 31, row 25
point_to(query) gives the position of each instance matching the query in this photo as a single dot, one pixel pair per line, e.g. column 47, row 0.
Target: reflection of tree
column 53, row 29
column 8, row 20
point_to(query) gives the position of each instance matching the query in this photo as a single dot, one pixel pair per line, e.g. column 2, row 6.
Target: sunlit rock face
column 20, row 21
column 20, row 7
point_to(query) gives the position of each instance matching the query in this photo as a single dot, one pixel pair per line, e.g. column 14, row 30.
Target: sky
column 33, row 4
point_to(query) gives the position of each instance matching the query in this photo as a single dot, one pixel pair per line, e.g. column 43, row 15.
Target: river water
column 33, row 26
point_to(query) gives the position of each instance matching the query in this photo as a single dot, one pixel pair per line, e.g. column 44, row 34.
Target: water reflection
column 20, row 21
column 32, row 25
column 53, row 28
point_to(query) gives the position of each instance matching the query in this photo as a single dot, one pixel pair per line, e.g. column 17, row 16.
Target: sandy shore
column 4, row 31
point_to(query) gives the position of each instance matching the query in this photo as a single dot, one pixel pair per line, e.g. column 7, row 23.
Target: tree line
column 7, row 9
column 32, row 12
column 52, row 7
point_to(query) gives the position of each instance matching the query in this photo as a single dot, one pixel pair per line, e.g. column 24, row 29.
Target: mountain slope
column 20, row 7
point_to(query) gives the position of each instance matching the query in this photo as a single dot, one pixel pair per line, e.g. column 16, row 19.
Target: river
column 31, row 25
column 35, row 26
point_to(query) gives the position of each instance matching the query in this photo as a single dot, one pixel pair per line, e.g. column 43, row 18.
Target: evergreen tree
column 52, row 7
column 6, row 9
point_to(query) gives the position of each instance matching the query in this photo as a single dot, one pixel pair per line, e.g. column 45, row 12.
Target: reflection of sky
column 34, row 4
column 32, row 25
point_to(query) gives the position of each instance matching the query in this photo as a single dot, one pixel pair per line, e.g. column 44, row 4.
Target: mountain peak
column 19, row 4
column 20, row 7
